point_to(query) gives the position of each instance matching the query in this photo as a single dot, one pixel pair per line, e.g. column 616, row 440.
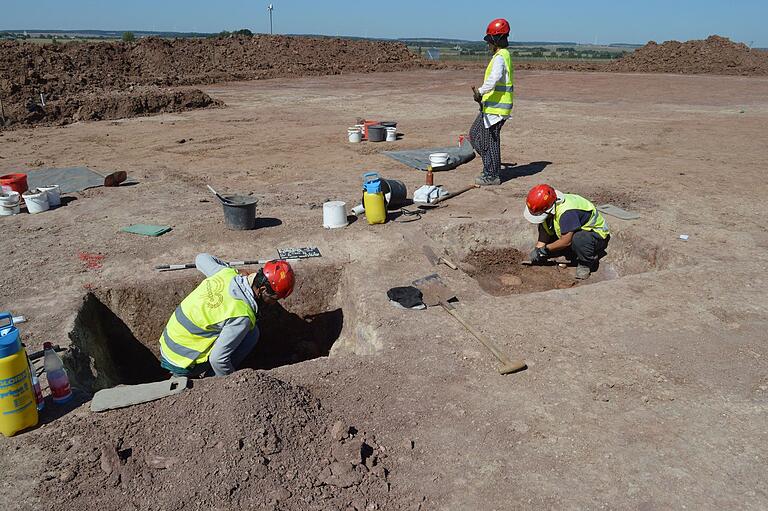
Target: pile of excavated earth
column 70, row 82
column 714, row 55
column 108, row 80
column 247, row 441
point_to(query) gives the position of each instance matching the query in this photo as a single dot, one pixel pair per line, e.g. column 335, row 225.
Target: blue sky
column 555, row 20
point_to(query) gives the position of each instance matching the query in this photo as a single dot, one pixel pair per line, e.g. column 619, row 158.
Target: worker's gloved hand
column 539, row 255
column 478, row 97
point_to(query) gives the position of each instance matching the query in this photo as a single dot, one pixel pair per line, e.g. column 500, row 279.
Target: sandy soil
column 647, row 388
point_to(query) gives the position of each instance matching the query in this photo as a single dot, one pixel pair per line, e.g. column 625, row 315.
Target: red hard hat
column 540, row 199
column 499, row 26
column 280, row 276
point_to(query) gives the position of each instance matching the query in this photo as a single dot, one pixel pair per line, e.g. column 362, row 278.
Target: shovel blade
column 434, row 290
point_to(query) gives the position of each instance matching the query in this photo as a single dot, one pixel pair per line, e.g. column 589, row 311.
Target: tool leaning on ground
column 435, row 292
column 289, row 254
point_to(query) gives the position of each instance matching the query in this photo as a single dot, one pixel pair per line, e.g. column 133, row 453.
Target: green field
column 537, row 53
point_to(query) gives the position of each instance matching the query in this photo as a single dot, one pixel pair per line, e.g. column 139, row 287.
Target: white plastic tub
column 334, row 214
column 36, row 201
column 54, row 194
column 438, row 159
column 9, row 203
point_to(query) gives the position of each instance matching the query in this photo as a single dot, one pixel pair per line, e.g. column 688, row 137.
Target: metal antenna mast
column 270, row 8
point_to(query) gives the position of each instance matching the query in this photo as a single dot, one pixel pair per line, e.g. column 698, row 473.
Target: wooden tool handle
column 454, row 194
column 448, row 263
column 508, row 366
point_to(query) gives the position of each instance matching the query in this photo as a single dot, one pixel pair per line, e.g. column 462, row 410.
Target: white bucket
column 355, row 136
column 391, row 134
column 54, row 194
column 334, row 214
column 36, row 200
column 438, row 159
column 9, row 203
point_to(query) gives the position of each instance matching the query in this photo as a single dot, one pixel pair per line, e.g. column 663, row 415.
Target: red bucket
column 366, row 125
column 16, row 182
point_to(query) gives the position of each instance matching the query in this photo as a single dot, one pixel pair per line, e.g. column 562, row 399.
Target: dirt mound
column 247, row 441
column 95, row 106
column 62, row 72
column 500, row 272
column 715, row 55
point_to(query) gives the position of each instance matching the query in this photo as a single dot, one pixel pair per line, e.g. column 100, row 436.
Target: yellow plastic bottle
column 18, row 408
column 373, row 199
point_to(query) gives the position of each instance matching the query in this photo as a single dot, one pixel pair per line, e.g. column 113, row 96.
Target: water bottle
column 39, row 399
column 58, row 381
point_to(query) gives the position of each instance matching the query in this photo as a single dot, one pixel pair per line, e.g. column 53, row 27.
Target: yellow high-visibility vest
column 499, row 100
column 571, row 201
column 190, row 333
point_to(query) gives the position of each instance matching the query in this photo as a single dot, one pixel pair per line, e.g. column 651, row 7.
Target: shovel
column 434, row 259
column 435, row 292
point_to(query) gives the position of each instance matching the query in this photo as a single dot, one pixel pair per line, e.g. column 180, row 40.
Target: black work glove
column 478, row 97
column 539, row 255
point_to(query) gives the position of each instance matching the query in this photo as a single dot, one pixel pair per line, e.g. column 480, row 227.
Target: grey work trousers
column 221, row 353
column 587, row 247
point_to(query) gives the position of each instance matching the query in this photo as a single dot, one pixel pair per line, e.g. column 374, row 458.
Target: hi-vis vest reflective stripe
column 499, row 100
column 190, row 333
column 571, row 201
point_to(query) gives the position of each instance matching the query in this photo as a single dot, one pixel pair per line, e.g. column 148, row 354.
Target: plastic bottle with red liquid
column 39, row 399
column 58, row 381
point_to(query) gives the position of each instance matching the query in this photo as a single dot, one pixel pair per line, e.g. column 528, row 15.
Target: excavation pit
column 493, row 253
column 501, row 271
column 115, row 337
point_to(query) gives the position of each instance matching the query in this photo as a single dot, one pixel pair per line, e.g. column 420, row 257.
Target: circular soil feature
column 500, row 272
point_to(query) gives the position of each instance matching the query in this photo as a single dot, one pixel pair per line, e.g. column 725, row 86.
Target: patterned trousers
column 487, row 143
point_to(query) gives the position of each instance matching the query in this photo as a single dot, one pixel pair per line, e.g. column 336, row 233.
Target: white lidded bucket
column 54, row 194
column 354, row 135
column 9, row 203
column 334, row 214
column 36, row 200
column 391, row 134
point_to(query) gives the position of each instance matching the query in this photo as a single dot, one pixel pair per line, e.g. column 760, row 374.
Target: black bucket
column 240, row 212
column 377, row 133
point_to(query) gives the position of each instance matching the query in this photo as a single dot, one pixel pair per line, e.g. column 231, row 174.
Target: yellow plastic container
column 18, row 409
column 373, row 199
column 375, row 209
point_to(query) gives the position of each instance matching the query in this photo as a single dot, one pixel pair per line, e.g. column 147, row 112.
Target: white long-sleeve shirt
column 499, row 73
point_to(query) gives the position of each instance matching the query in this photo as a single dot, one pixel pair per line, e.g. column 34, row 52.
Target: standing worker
column 214, row 327
column 495, row 97
column 568, row 225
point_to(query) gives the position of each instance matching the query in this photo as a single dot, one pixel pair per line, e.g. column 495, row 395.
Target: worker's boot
column 486, row 180
column 582, row 272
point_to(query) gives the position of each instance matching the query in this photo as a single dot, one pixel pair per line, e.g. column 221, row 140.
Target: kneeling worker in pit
column 569, row 225
column 214, row 328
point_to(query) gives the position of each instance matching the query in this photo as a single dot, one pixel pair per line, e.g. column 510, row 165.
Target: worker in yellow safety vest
column 214, row 328
column 495, row 96
column 569, row 225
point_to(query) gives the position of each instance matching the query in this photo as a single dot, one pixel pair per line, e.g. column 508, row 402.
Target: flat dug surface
column 646, row 387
